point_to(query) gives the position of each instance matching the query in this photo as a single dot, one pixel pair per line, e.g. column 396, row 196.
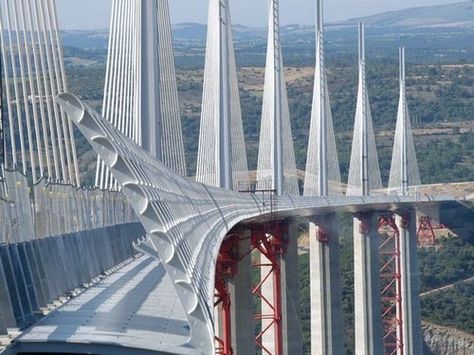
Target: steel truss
column 426, row 235
column 390, row 275
column 226, row 268
column 222, row 299
column 267, row 241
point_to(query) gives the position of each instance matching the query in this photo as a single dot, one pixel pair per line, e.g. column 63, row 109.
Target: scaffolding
column 426, row 234
column 390, row 276
column 268, row 244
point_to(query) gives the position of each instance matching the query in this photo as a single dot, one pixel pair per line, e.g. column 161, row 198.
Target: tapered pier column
column 410, row 292
column 290, row 289
column 325, row 286
column 367, row 292
column 242, row 309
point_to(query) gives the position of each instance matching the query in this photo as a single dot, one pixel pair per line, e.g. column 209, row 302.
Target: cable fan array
column 40, row 138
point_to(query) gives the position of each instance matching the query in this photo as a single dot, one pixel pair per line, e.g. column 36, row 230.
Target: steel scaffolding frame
column 426, row 235
column 390, row 275
column 270, row 243
column 267, row 240
column 226, row 268
column 222, row 298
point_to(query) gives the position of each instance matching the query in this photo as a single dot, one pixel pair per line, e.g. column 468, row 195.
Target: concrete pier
column 367, row 299
column 290, row 294
column 410, row 292
column 242, row 317
column 325, row 286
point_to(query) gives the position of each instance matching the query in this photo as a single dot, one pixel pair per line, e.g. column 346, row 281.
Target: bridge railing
column 39, row 275
column 60, row 209
column 412, row 191
column 47, row 209
column 16, row 218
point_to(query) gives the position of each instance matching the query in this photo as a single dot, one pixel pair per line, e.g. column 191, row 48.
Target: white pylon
column 276, row 157
column 322, row 176
column 141, row 94
column 222, row 158
column 404, row 172
column 34, row 74
column 364, row 171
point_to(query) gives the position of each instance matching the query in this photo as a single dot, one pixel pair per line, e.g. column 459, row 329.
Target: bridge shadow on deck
column 129, row 305
column 117, row 319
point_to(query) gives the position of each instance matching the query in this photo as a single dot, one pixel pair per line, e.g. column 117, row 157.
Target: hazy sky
column 93, row 14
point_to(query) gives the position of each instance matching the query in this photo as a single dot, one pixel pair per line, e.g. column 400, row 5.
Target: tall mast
column 322, row 161
column 404, row 145
column 278, row 183
column 364, row 129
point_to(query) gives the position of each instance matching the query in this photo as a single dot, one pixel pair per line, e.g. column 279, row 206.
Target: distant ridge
column 457, row 15
column 445, row 17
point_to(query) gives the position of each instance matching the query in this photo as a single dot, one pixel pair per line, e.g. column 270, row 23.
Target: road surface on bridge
column 134, row 310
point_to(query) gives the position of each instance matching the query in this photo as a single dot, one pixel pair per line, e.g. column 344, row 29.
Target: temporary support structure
column 266, row 240
column 269, row 243
column 426, row 234
column 390, row 276
column 224, row 342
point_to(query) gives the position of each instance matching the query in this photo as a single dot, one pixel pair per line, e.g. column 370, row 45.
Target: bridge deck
column 134, row 310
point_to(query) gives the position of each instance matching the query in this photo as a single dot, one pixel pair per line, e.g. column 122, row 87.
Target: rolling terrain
column 457, row 15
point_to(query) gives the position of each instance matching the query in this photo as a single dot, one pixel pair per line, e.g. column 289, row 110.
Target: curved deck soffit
column 186, row 221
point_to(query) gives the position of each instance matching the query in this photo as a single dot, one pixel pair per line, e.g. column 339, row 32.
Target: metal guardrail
column 263, row 192
column 47, row 209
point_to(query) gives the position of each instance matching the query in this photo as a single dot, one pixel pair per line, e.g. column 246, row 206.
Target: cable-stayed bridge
column 78, row 274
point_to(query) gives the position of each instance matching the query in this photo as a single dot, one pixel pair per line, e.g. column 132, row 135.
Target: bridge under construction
column 150, row 261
